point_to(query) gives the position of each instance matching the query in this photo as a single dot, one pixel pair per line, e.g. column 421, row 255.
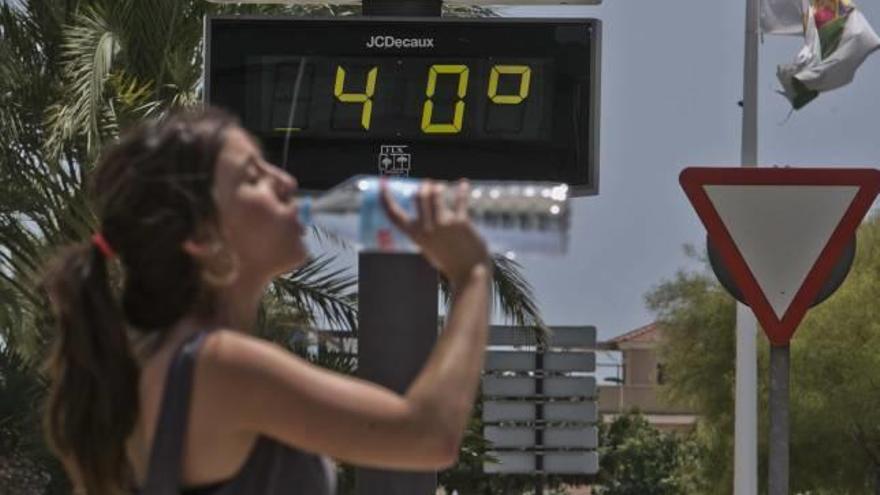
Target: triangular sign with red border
column 780, row 231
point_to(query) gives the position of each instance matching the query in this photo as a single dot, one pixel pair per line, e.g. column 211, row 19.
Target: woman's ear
column 205, row 243
column 219, row 264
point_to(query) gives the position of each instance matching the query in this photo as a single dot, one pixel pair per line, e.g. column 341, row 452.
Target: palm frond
column 457, row 10
column 277, row 320
column 18, row 385
column 328, row 349
column 25, row 72
column 89, row 47
column 514, row 295
column 129, row 90
column 323, row 293
column 10, row 313
column 18, row 258
column 334, row 359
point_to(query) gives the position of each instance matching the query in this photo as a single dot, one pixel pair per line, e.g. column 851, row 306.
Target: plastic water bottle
column 512, row 217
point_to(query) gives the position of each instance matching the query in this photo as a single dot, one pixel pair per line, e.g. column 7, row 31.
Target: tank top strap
column 166, row 454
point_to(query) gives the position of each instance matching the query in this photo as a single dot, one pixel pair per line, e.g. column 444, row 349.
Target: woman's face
column 256, row 208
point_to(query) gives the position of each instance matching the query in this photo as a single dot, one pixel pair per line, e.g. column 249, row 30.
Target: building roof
column 648, row 334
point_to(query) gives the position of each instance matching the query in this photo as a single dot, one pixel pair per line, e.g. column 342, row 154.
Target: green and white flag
column 838, row 39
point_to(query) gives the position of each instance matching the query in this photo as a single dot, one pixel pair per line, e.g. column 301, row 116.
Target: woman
column 159, row 387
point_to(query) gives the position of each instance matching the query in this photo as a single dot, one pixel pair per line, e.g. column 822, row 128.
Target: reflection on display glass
column 394, row 97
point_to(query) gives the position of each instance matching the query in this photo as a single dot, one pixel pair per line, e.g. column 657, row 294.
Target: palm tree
column 72, row 74
column 126, row 60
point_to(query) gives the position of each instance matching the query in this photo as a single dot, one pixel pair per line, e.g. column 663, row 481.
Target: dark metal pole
column 412, row 8
column 779, row 426
column 397, row 322
column 539, row 420
column 397, row 328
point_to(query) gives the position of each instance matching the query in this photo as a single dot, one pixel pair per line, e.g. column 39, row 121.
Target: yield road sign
column 780, row 231
column 832, row 283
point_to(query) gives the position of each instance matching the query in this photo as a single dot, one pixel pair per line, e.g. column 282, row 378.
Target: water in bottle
column 511, row 216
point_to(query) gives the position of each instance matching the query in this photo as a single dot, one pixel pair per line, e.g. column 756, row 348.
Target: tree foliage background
column 638, row 459
column 73, row 75
column 835, row 376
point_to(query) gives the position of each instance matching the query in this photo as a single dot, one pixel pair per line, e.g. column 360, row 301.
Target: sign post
column 411, row 93
column 745, row 444
column 780, row 233
column 777, row 479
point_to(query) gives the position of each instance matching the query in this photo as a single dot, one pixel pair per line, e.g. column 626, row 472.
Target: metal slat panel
column 582, row 412
column 586, row 437
column 581, row 336
column 570, row 361
column 553, row 361
column 510, row 361
column 554, row 462
column 574, row 337
column 574, row 386
column 561, row 386
column 519, row 436
column 508, row 411
column 514, row 336
column 522, row 436
column 511, row 462
column 508, row 386
column 570, row 411
column 571, row 462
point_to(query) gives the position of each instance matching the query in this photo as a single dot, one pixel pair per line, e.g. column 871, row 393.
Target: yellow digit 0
column 429, row 127
column 366, row 97
column 525, row 77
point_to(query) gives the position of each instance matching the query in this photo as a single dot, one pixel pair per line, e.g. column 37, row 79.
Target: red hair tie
column 101, row 243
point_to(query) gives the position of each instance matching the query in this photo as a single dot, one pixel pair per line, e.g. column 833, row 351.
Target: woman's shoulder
column 228, row 349
column 232, row 362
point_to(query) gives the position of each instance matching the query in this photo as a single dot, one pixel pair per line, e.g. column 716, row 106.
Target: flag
column 783, row 16
column 838, row 39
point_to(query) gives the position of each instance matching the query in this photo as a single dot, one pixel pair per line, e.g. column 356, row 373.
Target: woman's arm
column 264, row 389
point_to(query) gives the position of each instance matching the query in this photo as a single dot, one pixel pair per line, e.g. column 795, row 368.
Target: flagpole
column 745, row 464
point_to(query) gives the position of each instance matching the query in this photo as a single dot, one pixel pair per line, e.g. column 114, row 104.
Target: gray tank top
column 271, row 468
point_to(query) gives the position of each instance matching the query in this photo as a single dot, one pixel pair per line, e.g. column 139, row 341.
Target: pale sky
column 671, row 80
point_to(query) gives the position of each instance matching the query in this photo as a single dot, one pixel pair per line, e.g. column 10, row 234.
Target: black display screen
column 425, row 97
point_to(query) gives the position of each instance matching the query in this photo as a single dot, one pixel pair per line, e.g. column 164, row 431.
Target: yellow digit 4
column 429, row 127
column 525, row 76
column 366, row 97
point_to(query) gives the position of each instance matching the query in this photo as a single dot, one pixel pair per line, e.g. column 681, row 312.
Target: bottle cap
column 304, row 211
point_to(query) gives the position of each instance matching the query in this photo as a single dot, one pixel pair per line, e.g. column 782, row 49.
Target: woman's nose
column 285, row 183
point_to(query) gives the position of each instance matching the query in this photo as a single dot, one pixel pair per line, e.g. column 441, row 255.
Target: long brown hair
column 152, row 191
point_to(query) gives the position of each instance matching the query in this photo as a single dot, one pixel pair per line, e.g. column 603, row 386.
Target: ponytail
column 152, row 191
column 93, row 401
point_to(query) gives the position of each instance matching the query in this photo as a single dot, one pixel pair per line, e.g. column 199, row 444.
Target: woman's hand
column 445, row 235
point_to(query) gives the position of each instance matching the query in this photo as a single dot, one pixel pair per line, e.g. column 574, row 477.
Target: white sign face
column 568, row 337
column 556, row 462
column 583, row 437
column 571, row 412
column 553, row 361
column 557, row 386
column 780, row 230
